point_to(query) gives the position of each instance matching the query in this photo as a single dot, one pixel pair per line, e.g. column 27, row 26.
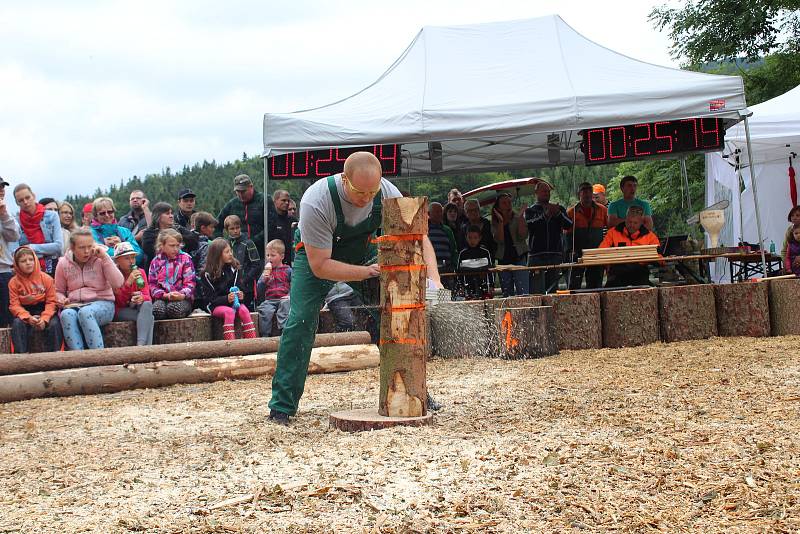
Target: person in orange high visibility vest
column 629, row 233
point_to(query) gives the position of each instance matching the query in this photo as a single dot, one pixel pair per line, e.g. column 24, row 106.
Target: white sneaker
column 198, row 312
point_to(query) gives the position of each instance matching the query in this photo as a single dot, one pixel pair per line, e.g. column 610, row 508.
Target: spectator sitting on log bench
column 171, row 277
column 132, row 300
column 221, row 276
column 246, row 253
column 792, row 257
column 474, row 262
column 273, row 288
column 32, row 303
column 85, row 278
column 629, row 233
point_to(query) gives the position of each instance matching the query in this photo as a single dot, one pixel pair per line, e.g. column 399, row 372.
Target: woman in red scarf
column 39, row 228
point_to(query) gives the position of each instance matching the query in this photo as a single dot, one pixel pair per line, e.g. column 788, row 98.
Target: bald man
column 338, row 216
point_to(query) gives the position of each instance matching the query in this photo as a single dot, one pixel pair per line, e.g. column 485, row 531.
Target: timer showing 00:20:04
column 321, row 163
column 622, row 143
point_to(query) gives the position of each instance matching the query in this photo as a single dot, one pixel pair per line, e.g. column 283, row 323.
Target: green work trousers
column 306, row 297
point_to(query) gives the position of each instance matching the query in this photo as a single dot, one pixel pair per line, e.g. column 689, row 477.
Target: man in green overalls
column 339, row 216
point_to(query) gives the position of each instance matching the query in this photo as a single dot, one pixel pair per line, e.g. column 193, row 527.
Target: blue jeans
column 514, row 283
column 85, row 322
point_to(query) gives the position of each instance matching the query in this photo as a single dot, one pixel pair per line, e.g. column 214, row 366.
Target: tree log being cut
column 112, row 378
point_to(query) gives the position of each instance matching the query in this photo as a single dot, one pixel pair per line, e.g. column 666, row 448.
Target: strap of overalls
column 337, row 206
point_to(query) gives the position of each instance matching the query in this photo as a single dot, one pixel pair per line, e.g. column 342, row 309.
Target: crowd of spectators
column 544, row 235
column 68, row 277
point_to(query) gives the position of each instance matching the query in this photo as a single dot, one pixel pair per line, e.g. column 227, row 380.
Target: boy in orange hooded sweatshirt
column 32, row 302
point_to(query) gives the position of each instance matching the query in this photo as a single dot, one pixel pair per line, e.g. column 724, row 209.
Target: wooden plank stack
column 606, row 256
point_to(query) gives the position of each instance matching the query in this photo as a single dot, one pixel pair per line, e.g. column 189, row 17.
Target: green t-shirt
column 620, row 207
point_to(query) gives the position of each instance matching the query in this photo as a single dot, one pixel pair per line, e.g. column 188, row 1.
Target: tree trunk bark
column 742, row 309
column 403, row 327
column 630, row 317
column 784, row 307
column 526, row 333
column 578, row 320
column 112, row 378
column 47, row 361
column 687, row 312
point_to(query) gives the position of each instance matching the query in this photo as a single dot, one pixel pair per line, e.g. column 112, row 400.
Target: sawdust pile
column 688, row 437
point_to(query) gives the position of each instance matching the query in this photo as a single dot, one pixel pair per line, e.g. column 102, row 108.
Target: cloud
column 94, row 92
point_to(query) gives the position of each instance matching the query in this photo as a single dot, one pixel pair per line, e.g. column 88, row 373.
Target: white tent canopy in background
column 492, row 93
column 775, row 134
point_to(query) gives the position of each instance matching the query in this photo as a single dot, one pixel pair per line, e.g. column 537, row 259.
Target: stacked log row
column 578, row 319
column 112, row 378
column 630, row 317
column 743, row 309
column 784, row 307
column 526, row 333
column 459, row 329
column 492, row 326
column 687, row 312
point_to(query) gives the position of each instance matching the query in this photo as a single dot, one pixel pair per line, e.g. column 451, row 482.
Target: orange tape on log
column 406, row 307
column 399, row 341
column 415, row 267
column 401, row 237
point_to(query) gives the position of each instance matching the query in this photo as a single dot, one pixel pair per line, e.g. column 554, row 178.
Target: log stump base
column 367, row 419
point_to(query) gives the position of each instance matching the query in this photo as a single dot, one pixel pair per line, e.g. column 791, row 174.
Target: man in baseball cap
column 249, row 205
column 186, row 198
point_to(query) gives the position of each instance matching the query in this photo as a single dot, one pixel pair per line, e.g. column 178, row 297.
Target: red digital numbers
column 388, row 161
column 622, row 141
column 319, row 161
column 593, row 143
column 637, row 151
column 279, row 166
column 714, row 141
column 300, row 172
column 695, row 137
column 667, row 137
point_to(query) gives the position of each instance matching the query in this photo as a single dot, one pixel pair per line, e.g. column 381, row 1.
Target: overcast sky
column 95, row 92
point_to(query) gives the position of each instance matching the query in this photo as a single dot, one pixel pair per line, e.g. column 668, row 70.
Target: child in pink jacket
column 171, row 277
column 85, row 278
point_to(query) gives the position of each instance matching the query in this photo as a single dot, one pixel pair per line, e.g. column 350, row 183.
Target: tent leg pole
column 685, row 175
column 266, row 199
column 739, row 183
column 755, row 196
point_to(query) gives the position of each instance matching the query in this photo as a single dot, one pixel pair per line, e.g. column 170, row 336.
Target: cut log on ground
column 113, row 378
column 459, row 329
column 48, row 361
column 578, row 320
column 403, row 327
column 195, row 328
column 526, row 333
column 784, row 307
column 367, row 419
column 491, row 306
column 687, row 312
column 742, row 309
column 630, row 317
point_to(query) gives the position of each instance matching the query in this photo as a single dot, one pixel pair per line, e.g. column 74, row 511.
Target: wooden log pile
column 606, row 256
column 459, row 329
column 630, row 317
column 687, row 312
column 113, row 378
column 784, row 307
column 578, row 319
column 742, row 309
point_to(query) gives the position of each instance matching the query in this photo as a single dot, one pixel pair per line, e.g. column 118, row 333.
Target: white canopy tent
column 775, row 136
column 501, row 96
column 493, row 94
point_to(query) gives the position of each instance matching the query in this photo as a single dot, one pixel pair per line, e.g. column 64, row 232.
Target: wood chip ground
column 697, row 436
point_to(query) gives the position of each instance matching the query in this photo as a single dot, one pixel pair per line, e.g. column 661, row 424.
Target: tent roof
column 774, row 124
column 491, row 93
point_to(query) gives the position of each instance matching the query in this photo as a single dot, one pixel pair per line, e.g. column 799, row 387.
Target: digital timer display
column 321, row 163
column 624, row 143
